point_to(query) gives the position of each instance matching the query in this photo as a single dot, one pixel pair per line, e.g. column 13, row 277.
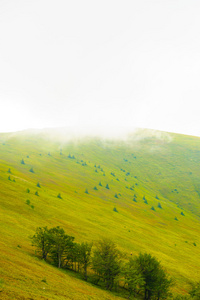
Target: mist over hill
column 153, row 180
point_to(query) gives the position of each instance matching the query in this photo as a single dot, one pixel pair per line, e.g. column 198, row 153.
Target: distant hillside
column 154, row 183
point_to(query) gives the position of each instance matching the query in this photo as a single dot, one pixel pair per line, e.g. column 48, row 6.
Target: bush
column 31, row 170
column 116, row 196
column 114, row 209
column 22, row 162
column 107, row 186
column 59, row 196
column 159, row 205
column 86, row 191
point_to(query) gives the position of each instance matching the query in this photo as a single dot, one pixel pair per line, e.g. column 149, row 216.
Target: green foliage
column 22, row 162
column 145, row 201
column 38, row 185
column 152, row 208
column 115, row 209
column 159, row 205
column 156, row 281
column 100, row 183
column 116, row 196
column 31, row 170
column 9, row 178
column 61, row 245
column 28, row 191
column 134, row 199
column 84, row 257
column 106, row 262
column 41, row 241
column 36, row 193
column 182, row 214
column 28, row 202
column 9, row 171
column 107, row 186
column 59, row 196
column 86, row 191
column 95, row 188
column 133, row 279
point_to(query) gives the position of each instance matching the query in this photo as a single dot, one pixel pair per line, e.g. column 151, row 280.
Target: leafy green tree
column 156, row 281
column 133, row 279
column 84, row 257
column 41, row 240
column 61, row 244
column 106, row 262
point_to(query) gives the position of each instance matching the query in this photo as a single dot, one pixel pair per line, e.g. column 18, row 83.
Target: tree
column 132, row 277
column 41, row 240
column 61, row 243
column 22, row 162
column 59, row 196
column 107, row 186
column 84, row 257
column 38, row 185
column 31, row 170
column 156, row 282
column 106, row 262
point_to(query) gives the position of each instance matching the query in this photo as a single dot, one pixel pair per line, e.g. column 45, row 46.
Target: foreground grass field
column 153, row 181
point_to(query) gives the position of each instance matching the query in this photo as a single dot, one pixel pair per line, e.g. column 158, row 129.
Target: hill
column 153, row 179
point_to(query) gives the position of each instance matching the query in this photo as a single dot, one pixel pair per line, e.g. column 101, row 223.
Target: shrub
column 59, row 196
column 107, row 186
column 100, row 183
column 116, row 196
column 95, row 188
column 31, row 170
column 114, row 209
column 28, row 202
column 86, row 191
column 36, row 193
column 152, row 208
column 27, row 190
column 182, row 214
column 22, row 162
column 38, row 185
column 159, row 205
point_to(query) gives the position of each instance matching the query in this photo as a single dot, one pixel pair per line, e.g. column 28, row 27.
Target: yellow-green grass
column 166, row 165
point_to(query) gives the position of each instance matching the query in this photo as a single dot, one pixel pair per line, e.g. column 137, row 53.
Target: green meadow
column 152, row 205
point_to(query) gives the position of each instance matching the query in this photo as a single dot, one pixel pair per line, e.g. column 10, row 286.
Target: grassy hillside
column 160, row 167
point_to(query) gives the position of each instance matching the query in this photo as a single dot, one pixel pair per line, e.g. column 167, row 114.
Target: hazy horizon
column 100, row 66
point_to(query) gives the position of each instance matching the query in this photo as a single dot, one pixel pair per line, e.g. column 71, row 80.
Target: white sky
column 100, row 65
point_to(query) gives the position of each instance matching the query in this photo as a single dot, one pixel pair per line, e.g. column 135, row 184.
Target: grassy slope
column 166, row 165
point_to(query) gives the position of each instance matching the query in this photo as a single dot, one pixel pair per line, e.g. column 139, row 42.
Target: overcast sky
column 100, row 65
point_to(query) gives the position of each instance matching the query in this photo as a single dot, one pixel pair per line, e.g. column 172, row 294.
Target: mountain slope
column 159, row 168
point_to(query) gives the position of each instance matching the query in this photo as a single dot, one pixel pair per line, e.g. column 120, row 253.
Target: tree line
column 140, row 275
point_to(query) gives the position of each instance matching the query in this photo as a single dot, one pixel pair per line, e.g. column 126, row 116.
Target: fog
column 100, row 67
